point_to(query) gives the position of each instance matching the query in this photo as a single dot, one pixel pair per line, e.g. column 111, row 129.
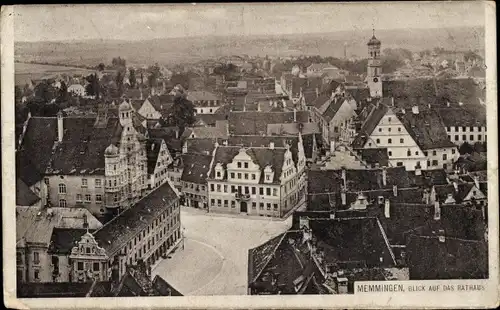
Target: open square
column 214, row 258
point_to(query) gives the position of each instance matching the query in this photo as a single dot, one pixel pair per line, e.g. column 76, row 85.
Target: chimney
column 441, row 236
column 60, row 126
column 344, row 178
column 476, row 181
column 294, row 115
column 271, row 145
column 85, row 221
column 448, row 104
column 177, row 133
column 343, row 197
column 184, row 148
column 384, row 176
column 460, row 103
column 224, row 142
column 332, row 147
column 317, row 92
column 418, row 170
column 216, row 143
column 392, row 101
column 142, row 97
column 403, row 111
column 395, row 190
column 455, row 185
column 258, row 106
column 437, row 211
column 414, row 109
column 387, row 208
column 425, row 196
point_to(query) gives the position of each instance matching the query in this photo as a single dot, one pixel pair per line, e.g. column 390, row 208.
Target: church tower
column 374, row 71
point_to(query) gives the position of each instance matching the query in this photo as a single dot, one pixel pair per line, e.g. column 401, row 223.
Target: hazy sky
column 135, row 22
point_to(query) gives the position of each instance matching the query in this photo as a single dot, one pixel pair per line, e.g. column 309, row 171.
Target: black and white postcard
column 250, row 155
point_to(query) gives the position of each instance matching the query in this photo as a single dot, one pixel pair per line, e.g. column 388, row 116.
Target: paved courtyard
column 215, row 256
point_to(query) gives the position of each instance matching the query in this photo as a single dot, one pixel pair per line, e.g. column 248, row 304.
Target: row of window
column 225, row 203
column 244, row 190
column 389, row 129
column 88, row 198
column 464, row 137
column 464, row 128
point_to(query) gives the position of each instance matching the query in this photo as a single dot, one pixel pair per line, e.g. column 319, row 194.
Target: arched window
column 62, row 203
column 62, row 188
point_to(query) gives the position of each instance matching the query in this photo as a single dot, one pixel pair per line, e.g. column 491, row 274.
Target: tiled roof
column 285, row 259
column 164, row 288
column 41, row 133
column 24, row 195
column 201, row 145
column 333, row 108
column 429, row 177
column 356, row 239
column 260, row 256
column 152, row 150
column 321, row 100
column 255, row 123
column 116, row 233
column 369, row 125
column 293, row 128
column 34, row 225
column 211, row 119
column 196, row 167
column 359, row 94
column 201, row 96
column 210, row 132
column 323, row 181
column 426, row 129
column 430, row 259
column 310, row 96
column 64, row 239
column 375, row 156
column 168, row 134
column 261, row 156
column 359, row 180
column 265, row 141
column 457, row 116
column 327, row 89
column 308, row 141
column 82, row 148
column 442, row 191
column 26, row 170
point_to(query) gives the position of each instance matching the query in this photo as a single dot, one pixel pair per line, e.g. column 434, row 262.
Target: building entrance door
column 243, row 207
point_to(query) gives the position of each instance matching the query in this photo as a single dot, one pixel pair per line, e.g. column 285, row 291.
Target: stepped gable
column 261, row 156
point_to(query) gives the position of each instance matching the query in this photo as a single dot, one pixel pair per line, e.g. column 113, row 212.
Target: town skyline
column 142, row 22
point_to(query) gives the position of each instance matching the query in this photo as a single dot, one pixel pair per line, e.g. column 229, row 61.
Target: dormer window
column 219, row 171
column 238, row 164
column 269, row 174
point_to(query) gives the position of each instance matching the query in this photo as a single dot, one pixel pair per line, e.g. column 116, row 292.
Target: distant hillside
column 176, row 50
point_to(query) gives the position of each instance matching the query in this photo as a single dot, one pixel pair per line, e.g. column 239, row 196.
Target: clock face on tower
column 375, row 80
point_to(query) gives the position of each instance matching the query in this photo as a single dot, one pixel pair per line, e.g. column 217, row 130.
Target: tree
column 92, row 87
column 100, row 67
column 182, row 113
column 18, row 93
column 119, row 83
column 465, row 148
column 62, row 95
column 132, row 79
column 45, row 92
column 154, row 75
